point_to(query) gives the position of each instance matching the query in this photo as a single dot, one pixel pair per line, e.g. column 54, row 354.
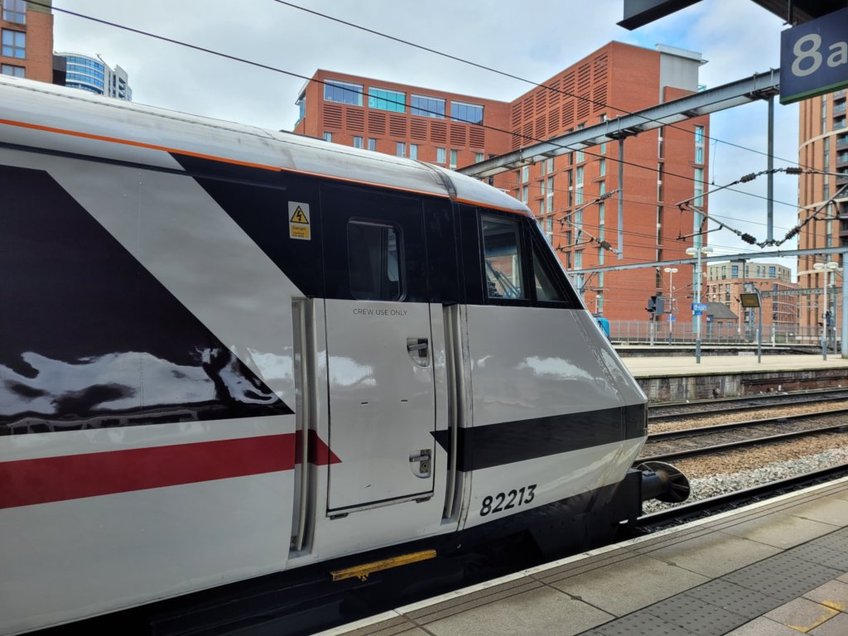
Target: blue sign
column 814, row 57
column 698, row 308
column 671, row 318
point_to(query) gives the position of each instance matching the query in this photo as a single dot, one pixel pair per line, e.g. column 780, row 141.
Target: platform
column 681, row 378
column 775, row 568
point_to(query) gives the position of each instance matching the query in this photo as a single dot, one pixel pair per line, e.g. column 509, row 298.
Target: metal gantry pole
column 843, row 348
column 824, row 316
column 698, row 304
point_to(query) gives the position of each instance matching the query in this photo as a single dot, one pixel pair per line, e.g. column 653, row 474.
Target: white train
column 227, row 352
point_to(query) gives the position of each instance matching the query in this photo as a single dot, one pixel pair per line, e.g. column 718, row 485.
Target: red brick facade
column 822, row 146
column 658, row 171
column 37, row 36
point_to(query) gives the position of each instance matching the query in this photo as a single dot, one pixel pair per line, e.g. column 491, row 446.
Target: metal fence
column 678, row 332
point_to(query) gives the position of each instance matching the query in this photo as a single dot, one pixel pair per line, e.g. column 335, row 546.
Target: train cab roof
column 70, row 121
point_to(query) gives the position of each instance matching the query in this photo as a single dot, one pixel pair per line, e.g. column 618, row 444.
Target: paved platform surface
column 686, row 365
column 776, row 568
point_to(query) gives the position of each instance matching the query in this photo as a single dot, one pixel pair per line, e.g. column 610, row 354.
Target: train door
column 379, row 354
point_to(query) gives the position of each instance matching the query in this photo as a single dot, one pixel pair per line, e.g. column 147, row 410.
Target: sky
column 737, row 38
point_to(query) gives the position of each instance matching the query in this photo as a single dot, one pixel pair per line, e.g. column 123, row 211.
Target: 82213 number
column 505, row 501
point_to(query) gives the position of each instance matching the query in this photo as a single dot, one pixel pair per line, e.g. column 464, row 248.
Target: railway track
column 686, row 512
column 726, row 406
column 673, row 445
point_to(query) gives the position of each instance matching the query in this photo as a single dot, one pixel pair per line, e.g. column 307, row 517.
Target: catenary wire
column 275, row 69
column 484, row 67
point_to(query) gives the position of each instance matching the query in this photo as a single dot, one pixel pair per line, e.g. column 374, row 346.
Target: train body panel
column 226, row 352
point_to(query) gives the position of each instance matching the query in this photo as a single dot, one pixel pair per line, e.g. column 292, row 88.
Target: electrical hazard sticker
column 299, row 227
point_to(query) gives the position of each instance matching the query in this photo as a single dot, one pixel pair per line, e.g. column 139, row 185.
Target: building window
column 578, row 186
column 14, row 44
column 14, row 11
column 699, row 193
column 342, row 92
column 772, row 271
column 524, row 194
column 357, row 142
column 453, row 159
column 427, row 106
column 549, row 195
column 383, row 99
column 372, row 144
column 549, row 165
column 413, row 151
column 400, row 149
column 525, row 174
column 468, row 113
column 301, row 106
column 699, row 144
column 478, row 157
column 602, row 167
column 440, row 155
column 14, row 71
column 328, row 136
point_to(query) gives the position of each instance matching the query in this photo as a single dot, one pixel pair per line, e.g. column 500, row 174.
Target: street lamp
column 826, row 268
column 671, row 271
column 697, row 308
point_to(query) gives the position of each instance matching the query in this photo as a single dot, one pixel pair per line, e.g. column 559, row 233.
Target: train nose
column 663, row 482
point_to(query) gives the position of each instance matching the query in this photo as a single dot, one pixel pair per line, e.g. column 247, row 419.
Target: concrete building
column 823, row 146
column 26, row 31
column 92, row 74
column 725, row 283
column 569, row 194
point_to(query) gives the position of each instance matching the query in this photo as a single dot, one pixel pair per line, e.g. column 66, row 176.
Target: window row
column 395, row 102
column 377, row 269
column 15, row 11
column 14, row 71
column 14, row 44
column 403, row 149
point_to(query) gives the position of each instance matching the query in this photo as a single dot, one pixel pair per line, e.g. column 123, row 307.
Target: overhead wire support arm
column 743, row 91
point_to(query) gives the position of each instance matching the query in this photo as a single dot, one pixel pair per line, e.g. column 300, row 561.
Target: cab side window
column 502, row 258
column 375, row 261
column 546, row 290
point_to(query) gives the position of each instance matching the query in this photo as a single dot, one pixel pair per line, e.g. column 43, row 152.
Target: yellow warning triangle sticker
column 299, row 217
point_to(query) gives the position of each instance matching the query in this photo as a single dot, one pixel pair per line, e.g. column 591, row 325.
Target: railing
column 639, row 331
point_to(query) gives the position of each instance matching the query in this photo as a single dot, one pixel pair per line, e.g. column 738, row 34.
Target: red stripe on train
column 35, row 481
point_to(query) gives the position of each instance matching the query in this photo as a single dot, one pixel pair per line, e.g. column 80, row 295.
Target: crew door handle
column 419, row 350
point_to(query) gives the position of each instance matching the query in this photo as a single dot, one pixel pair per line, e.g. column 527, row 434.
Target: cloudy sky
column 531, row 40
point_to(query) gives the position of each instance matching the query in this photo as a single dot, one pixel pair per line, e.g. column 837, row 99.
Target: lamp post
column 697, row 252
column 825, row 268
column 671, row 271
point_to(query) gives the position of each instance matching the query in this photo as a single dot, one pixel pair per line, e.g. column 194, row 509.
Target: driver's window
column 502, row 257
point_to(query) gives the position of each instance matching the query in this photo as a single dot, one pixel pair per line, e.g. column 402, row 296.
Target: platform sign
column 750, row 301
column 814, row 57
column 699, row 308
column 671, row 318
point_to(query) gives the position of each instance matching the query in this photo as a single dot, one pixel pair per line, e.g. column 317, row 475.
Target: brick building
column 823, row 146
column 27, row 40
column 661, row 167
column 725, row 282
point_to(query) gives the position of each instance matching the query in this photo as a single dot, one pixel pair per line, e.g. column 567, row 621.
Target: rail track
column 726, row 406
column 686, row 512
column 673, row 445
